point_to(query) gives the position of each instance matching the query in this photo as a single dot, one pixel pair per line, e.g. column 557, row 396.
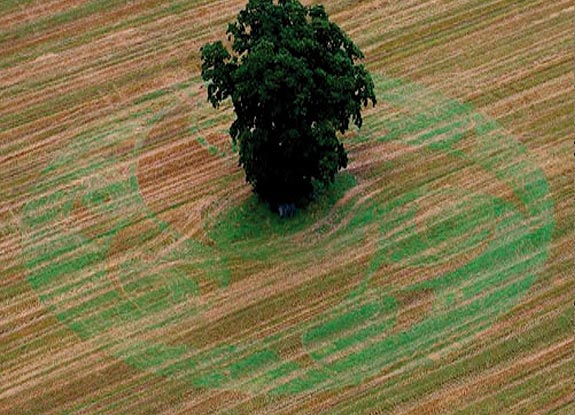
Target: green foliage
column 294, row 84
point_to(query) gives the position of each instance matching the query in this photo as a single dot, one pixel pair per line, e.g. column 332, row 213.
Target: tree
column 294, row 83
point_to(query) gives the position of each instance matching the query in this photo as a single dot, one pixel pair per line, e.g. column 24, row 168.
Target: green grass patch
column 254, row 221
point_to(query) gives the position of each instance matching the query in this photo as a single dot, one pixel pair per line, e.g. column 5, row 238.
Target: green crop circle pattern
column 122, row 304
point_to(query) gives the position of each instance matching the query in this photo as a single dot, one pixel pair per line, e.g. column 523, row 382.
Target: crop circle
column 141, row 251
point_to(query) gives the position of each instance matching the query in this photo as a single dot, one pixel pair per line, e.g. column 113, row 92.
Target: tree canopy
column 293, row 81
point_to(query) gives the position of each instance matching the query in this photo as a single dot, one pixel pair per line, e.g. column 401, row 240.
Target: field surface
column 138, row 275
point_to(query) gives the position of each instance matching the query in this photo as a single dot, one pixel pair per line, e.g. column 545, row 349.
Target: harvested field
column 138, row 275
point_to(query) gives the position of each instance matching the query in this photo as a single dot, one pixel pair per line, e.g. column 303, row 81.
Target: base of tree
column 252, row 219
column 285, row 200
column 277, row 194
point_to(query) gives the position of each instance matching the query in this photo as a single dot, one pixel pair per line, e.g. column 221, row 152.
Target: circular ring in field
column 159, row 256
